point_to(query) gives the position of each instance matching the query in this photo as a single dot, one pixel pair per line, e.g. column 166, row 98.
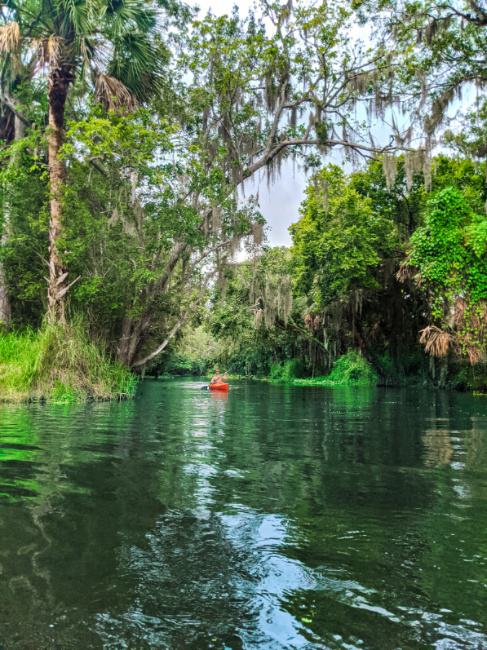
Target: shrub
column 292, row 369
column 350, row 369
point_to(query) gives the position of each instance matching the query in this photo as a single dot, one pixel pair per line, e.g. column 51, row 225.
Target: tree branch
column 180, row 322
column 5, row 99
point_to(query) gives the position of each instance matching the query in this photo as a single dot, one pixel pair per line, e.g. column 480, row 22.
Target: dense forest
column 382, row 275
column 129, row 131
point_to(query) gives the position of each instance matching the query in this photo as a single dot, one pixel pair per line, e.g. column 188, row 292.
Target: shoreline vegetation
column 60, row 364
column 63, row 365
column 351, row 369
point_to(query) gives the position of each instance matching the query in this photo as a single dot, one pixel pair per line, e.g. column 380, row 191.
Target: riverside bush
column 350, row 369
column 292, row 369
column 61, row 364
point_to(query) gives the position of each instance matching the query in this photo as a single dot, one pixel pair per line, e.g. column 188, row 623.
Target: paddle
column 234, row 366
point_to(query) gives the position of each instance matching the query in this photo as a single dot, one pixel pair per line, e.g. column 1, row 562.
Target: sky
column 280, row 205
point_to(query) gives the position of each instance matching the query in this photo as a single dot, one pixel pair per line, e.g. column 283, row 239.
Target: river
column 271, row 517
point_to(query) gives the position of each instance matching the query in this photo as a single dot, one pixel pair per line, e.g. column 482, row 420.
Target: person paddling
column 217, row 379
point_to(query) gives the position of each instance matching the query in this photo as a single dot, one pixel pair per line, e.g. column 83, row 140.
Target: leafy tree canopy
column 339, row 240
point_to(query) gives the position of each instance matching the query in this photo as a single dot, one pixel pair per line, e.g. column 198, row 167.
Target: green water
column 276, row 517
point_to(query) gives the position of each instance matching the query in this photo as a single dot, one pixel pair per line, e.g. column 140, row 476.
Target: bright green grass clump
column 60, row 364
column 292, row 369
column 349, row 370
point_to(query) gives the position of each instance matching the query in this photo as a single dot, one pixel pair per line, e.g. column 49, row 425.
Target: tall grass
column 59, row 363
column 351, row 369
column 292, row 369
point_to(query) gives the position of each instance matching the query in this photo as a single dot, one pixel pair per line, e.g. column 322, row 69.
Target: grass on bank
column 59, row 364
column 349, row 370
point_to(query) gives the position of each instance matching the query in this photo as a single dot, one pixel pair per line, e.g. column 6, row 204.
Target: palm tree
column 12, row 128
column 108, row 42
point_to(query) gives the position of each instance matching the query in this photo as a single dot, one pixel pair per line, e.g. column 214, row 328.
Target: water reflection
column 274, row 517
column 438, row 447
column 219, row 396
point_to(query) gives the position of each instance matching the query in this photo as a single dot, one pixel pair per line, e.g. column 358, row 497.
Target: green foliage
column 463, row 174
column 409, row 368
column 450, row 255
column 398, row 204
column 438, row 246
column 23, row 201
column 292, row 369
column 248, row 324
column 350, row 369
column 340, row 306
column 471, row 377
column 59, row 364
column 339, row 239
column 114, row 276
column 180, row 364
column 194, row 354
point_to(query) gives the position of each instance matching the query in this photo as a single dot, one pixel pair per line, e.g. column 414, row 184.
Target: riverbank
column 352, row 369
column 59, row 364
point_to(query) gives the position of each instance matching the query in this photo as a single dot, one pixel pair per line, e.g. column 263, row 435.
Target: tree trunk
column 59, row 81
column 443, row 371
column 134, row 332
column 5, row 307
column 5, row 313
column 130, row 341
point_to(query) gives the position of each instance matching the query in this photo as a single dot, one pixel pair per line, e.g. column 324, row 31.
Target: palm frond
column 135, row 64
column 112, row 94
column 115, row 36
column 9, row 38
column 406, row 271
column 49, row 51
column 131, row 15
column 459, row 309
column 77, row 17
column 85, row 50
column 436, row 341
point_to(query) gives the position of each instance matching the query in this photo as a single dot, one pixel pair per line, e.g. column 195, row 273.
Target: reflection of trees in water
column 438, row 447
column 187, row 586
column 50, row 542
column 284, row 501
column 92, row 545
column 365, row 474
column 476, row 447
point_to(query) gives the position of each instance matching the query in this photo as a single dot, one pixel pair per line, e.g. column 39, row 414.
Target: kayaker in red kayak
column 218, row 379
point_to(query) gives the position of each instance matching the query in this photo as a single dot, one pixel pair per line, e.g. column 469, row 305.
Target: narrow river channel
column 274, row 517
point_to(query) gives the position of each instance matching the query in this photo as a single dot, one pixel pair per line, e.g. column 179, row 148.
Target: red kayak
column 219, row 386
